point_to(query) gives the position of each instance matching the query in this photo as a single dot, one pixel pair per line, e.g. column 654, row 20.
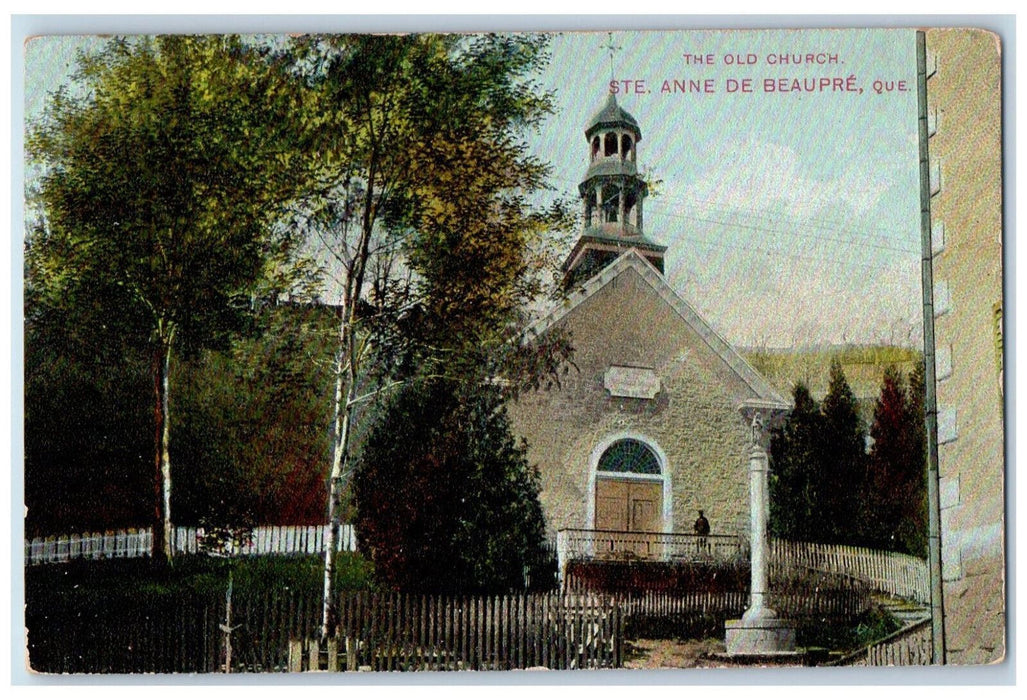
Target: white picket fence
column 900, row 575
column 270, row 539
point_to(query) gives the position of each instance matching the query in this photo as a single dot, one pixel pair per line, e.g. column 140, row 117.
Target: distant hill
column 863, row 365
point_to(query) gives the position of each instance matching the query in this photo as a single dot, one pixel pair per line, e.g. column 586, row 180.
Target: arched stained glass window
column 632, row 456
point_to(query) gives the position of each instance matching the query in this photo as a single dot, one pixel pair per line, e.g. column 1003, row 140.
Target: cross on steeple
column 611, row 47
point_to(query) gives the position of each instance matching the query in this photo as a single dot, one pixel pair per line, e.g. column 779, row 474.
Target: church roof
column 612, row 114
column 765, row 396
column 597, row 237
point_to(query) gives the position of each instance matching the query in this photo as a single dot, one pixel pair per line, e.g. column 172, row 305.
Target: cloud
column 754, row 176
column 754, row 298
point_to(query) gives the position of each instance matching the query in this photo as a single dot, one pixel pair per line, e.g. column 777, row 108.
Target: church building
column 653, row 421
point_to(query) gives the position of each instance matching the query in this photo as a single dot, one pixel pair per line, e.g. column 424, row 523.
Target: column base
column 759, row 634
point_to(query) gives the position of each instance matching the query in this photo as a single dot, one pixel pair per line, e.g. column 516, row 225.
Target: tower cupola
column 612, row 196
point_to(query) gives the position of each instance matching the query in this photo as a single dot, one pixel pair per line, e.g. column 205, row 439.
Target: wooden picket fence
column 401, row 632
column 896, row 574
column 131, row 543
column 90, row 545
column 820, row 603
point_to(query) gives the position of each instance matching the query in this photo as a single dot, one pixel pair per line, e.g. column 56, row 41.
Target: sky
column 791, row 218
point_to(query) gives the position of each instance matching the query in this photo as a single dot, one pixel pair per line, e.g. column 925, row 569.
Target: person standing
column 702, row 529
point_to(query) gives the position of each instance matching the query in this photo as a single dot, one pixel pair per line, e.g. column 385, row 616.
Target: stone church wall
column 693, row 420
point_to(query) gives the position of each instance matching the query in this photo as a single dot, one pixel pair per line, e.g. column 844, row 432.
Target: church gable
column 627, row 316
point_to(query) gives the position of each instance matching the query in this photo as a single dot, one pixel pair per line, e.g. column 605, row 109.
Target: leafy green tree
column 87, row 419
column 252, row 433
column 797, row 455
column 159, row 193
column 445, row 499
column 844, row 466
column 423, row 201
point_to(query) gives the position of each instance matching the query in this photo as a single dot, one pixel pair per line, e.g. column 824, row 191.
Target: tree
column 445, row 499
column 912, row 532
column 895, row 500
column 421, row 153
column 159, row 193
column 797, row 454
column 252, row 434
column 885, row 477
column 87, row 419
column 845, row 459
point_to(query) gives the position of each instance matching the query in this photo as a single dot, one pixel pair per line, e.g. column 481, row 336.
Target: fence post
column 314, row 652
column 295, row 655
column 333, row 653
column 561, row 557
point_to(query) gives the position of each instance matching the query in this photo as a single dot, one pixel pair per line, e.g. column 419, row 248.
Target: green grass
column 115, row 579
column 129, row 616
column 873, row 625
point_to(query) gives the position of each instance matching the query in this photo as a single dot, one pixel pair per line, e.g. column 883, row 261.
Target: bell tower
column 612, row 196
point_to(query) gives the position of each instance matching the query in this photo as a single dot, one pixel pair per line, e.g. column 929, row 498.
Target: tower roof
column 612, row 114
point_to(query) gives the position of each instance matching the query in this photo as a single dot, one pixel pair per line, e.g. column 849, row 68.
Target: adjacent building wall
column 964, row 105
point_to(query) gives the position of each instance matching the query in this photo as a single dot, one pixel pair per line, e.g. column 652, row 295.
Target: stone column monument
column 759, row 631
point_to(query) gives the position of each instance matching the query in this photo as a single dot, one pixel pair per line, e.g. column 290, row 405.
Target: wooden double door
column 628, row 507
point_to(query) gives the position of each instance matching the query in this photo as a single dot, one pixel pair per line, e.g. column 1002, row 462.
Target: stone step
column 905, row 611
column 909, row 617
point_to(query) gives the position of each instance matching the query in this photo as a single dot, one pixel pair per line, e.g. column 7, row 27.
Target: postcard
column 445, row 352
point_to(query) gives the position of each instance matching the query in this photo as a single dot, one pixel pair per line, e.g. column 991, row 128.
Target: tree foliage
column 797, row 451
column 844, row 465
column 445, row 499
column 158, row 195
column 482, row 250
column 87, row 422
column 894, row 498
column 252, row 428
column 403, row 159
column 912, row 533
column 424, row 200
column 429, row 198
column 826, row 486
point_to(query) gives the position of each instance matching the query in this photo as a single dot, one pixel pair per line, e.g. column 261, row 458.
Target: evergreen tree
column 796, row 458
column 844, row 465
column 894, row 496
column 883, row 501
column 825, row 487
column 911, row 534
column 445, row 499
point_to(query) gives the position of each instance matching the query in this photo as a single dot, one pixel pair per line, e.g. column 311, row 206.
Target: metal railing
column 897, row 574
column 617, row 545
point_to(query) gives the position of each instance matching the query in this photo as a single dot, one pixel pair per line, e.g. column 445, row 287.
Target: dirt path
column 667, row 653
